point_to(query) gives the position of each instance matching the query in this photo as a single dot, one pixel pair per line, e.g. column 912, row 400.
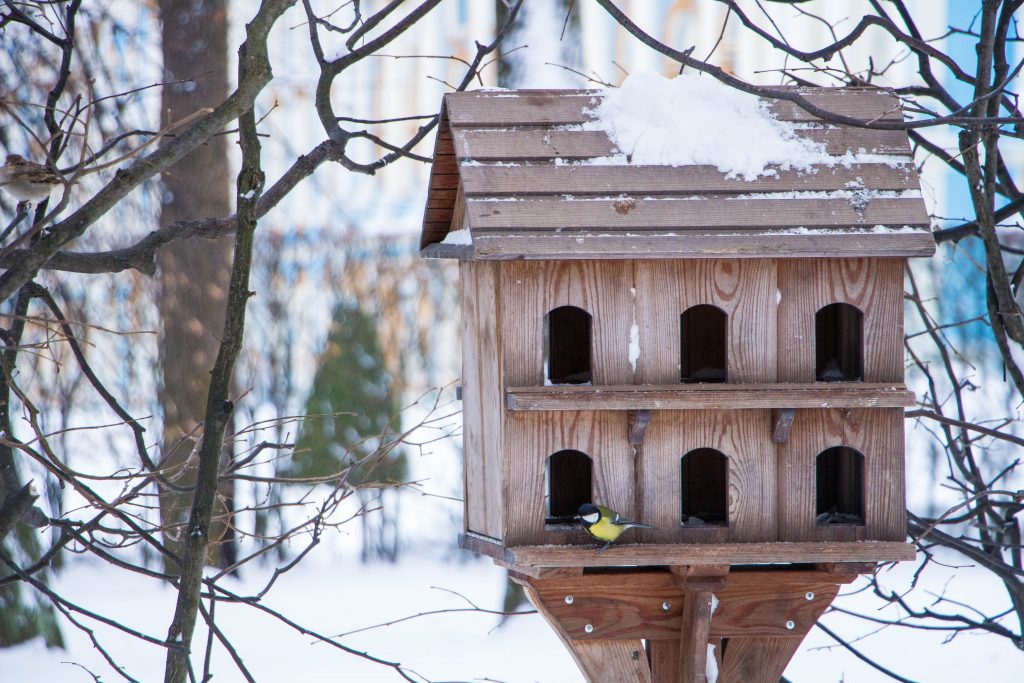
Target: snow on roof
column 694, row 120
column 551, row 174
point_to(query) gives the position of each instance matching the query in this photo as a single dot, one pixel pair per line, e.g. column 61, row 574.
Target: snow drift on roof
column 691, row 119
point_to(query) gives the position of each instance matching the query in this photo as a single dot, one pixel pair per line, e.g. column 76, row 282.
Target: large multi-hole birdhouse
column 716, row 356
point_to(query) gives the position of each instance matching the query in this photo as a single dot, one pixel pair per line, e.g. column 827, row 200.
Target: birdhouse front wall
column 532, row 438
column 877, row 435
column 744, row 438
column 873, row 286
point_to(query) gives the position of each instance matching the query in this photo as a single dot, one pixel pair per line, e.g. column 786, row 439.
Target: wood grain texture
column 751, row 244
column 582, row 180
column 631, row 555
column 481, row 398
column 531, row 290
column 875, row 286
column 757, row 660
column 649, row 213
column 710, row 396
column 530, row 438
column 878, row 436
column 744, row 437
column 744, row 289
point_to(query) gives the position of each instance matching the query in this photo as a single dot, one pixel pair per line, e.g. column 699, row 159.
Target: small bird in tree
column 605, row 524
column 26, row 180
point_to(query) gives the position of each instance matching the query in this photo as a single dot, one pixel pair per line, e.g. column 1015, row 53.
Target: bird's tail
column 638, row 525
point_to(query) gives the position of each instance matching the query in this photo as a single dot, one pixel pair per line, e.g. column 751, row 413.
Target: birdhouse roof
column 540, row 174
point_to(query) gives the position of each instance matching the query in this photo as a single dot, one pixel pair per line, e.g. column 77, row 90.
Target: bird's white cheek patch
column 591, row 518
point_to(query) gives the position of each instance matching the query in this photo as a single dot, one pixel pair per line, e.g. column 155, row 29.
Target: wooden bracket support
column 782, row 420
column 638, row 421
column 762, row 616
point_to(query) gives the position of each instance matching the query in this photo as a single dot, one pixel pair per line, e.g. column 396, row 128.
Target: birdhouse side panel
column 482, row 404
column 745, row 497
column 744, row 289
column 873, row 286
column 531, row 290
column 866, row 480
column 530, row 441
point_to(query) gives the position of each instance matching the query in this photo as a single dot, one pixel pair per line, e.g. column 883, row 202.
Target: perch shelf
column 710, row 396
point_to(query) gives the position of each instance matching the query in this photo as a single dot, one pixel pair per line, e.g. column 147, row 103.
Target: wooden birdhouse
column 719, row 357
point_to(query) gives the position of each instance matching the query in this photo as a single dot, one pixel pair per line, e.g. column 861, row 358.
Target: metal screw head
column 809, row 595
column 568, row 599
column 791, row 624
column 589, row 628
column 666, row 606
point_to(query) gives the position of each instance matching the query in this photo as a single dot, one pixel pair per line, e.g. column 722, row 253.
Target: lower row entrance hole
column 704, row 480
column 840, row 487
column 569, row 476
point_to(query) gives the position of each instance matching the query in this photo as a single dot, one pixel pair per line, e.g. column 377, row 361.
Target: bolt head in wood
column 589, row 628
column 666, row 605
column 568, row 599
column 809, row 595
column 791, row 624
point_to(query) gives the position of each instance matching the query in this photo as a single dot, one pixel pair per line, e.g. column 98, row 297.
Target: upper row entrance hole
column 567, row 346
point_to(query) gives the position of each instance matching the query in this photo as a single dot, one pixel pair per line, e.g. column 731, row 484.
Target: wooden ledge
column 710, row 396
column 531, row 557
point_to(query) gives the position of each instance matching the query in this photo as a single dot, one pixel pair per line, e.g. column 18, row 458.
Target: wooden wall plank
column 644, row 214
column 530, row 290
column 482, row 398
column 875, row 286
column 744, row 289
column 485, row 180
column 664, row 660
column 751, row 244
column 745, row 438
column 531, row 438
column 878, row 435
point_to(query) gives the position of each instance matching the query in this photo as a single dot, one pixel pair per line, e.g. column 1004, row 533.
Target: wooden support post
column 694, row 634
column 757, row 660
column 600, row 661
column 664, row 657
column 697, row 583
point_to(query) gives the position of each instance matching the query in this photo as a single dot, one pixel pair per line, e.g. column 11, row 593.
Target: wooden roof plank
column 544, row 143
column 657, row 213
column 568, row 107
column 599, row 179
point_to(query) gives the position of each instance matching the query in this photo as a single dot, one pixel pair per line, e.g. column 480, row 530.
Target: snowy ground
column 339, row 595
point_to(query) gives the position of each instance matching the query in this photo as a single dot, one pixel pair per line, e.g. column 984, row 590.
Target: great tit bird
column 605, row 524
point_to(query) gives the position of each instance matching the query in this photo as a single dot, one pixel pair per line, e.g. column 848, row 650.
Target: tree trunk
column 193, row 277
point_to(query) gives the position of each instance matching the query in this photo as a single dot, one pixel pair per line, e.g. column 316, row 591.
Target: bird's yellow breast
column 605, row 530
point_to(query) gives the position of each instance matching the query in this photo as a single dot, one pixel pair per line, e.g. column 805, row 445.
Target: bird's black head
column 588, row 514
